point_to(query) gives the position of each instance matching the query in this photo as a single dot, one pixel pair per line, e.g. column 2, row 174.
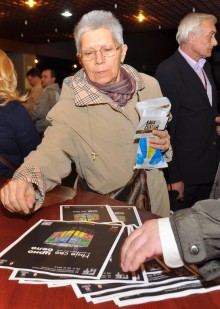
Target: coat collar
column 86, row 94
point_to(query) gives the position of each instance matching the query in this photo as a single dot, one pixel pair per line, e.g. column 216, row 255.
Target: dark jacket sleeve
column 197, row 233
column 25, row 132
column 170, row 90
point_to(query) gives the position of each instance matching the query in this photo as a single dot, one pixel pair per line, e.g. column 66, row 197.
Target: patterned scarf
column 120, row 92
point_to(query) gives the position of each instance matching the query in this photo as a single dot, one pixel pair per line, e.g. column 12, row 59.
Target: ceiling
column 45, row 24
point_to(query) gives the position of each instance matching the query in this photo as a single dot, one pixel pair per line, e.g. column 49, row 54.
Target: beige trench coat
column 78, row 131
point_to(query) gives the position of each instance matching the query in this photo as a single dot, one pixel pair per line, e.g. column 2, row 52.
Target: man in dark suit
column 186, row 79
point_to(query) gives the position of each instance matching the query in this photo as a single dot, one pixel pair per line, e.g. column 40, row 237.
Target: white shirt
column 197, row 66
column 170, row 250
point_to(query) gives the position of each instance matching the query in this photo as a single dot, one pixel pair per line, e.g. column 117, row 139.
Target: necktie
column 205, row 80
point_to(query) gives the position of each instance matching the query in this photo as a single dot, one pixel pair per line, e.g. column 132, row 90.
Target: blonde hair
column 8, row 81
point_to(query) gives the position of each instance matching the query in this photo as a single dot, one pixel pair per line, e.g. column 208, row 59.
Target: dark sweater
column 18, row 135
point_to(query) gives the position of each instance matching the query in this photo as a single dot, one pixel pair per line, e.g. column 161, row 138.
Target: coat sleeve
column 169, row 88
column 51, row 162
column 196, row 231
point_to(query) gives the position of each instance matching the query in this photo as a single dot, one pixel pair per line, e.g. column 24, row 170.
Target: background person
column 93, row 124
column 46, row 101
column 186, row 79
column 18, row 135
column 34, row 78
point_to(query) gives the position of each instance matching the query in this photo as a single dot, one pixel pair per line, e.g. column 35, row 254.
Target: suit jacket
column 192, row 129
column 48, row 98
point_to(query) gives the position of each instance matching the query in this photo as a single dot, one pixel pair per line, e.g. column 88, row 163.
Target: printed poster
column 90, row 213
column 64, row 248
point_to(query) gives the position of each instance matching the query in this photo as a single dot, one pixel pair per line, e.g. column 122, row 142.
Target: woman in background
column 18, row 135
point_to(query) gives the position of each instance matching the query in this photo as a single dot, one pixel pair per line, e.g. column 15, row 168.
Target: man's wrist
column 169, row 247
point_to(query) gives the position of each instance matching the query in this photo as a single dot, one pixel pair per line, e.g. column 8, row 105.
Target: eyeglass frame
column 95, row 51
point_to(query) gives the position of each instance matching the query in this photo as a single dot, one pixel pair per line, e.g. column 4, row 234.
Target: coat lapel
column 190, row 76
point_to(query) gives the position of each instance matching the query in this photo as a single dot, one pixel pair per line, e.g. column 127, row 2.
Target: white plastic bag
column 154, row 115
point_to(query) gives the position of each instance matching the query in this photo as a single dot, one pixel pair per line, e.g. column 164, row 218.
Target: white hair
column 96, row 20
column 192, row 23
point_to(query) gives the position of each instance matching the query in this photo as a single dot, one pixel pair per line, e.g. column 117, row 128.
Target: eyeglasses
column 106, row 51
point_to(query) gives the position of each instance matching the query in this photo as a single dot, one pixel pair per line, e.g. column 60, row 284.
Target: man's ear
column 191, row 37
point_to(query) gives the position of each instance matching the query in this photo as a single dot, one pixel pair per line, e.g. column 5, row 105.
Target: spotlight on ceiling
column 66, row 14
column 30, row 3
column 141, row 17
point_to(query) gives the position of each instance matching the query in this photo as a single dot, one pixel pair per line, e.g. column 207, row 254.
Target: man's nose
column 214, row 42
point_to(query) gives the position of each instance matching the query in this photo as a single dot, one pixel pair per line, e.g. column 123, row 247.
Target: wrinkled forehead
column 97, row 37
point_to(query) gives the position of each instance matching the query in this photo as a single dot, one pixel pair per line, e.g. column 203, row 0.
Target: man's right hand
column 18, row 196
column 141, row 245
column 179, row 187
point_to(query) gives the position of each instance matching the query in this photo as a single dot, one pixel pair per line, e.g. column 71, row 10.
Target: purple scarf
column 120, row 92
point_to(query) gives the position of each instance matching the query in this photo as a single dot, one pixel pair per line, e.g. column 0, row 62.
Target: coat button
column 194, row 250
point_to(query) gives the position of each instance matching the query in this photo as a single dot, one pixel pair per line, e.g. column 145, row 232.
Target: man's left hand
column 217, row 120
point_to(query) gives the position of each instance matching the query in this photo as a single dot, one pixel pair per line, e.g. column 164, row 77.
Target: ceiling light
column 66, row 14
column 30, row 3
column 141, row 17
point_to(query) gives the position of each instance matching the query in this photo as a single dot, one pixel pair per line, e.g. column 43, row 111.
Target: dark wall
column 147, row 50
